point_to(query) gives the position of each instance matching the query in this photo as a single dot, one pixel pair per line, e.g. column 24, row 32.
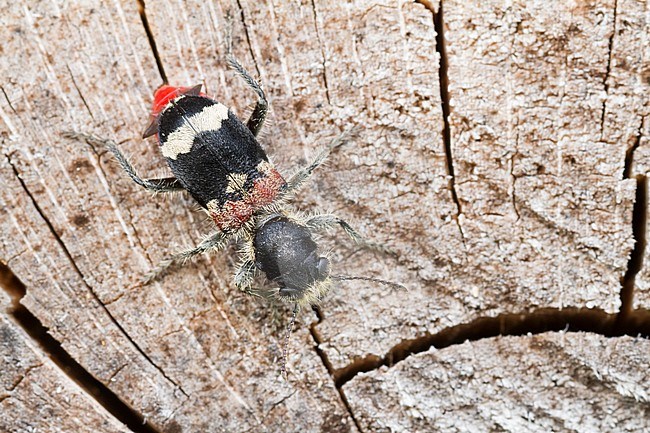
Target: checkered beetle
column 217, row 159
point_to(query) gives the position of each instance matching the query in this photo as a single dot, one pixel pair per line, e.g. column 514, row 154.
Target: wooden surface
column 548, row 382
column 506, row 168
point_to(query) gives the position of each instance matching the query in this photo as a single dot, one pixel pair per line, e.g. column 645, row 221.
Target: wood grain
column 501, row 166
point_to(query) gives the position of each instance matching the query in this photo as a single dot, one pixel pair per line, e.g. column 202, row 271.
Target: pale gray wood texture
column 512, row 212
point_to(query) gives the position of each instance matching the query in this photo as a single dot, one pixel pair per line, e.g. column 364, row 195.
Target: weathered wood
column 35, row 396
column 183, row 352
column 540, row 383
column 540, row 186
column 630, row 76
column 641, row 167
column 545, row 101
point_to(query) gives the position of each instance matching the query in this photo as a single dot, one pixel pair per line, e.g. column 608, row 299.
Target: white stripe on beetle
column 236, row 182
column 181, row 140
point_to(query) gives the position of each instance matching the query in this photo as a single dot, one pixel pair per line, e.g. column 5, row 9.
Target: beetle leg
column 256, row 119
column 214, row 242
column 168, row 184
column 328, row 221
column 301, row 176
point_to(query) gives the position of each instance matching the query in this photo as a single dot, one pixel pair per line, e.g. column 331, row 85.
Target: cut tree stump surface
column 536, row 383
column 503, row 157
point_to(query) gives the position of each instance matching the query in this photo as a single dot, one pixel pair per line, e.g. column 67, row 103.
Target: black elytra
column 223, row 151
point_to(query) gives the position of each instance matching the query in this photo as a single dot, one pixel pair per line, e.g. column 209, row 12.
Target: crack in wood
column 66, row 364
column 152, row 40
column 535, row 322
column 272, row 408
column 65, row 250
column 513, row 177
column 248, row 37
column 629, row 153
column 639, row 221
column 609, row 66
column 322, row 52
column 74, row 84
column 438, row 25
column 2, row 89
column 328, row 365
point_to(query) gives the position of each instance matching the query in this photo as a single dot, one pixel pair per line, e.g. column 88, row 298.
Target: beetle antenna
column 283, row 369
column 374, row 280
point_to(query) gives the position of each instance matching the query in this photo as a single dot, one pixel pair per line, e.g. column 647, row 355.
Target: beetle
column 217, row 159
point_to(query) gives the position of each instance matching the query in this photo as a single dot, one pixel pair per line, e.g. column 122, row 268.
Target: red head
column 163, row 95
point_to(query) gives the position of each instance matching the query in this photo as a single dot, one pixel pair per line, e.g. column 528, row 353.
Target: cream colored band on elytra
column 236, row 182
column 264, row 167
column 181, row 140
column 213, row 206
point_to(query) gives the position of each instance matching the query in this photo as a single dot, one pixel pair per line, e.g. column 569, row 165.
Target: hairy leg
column 256, row 120
column 257, row 117
column 168, row 184
column 214, row 242
column 301, row 176
column 328, row 221
column 244, row 277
